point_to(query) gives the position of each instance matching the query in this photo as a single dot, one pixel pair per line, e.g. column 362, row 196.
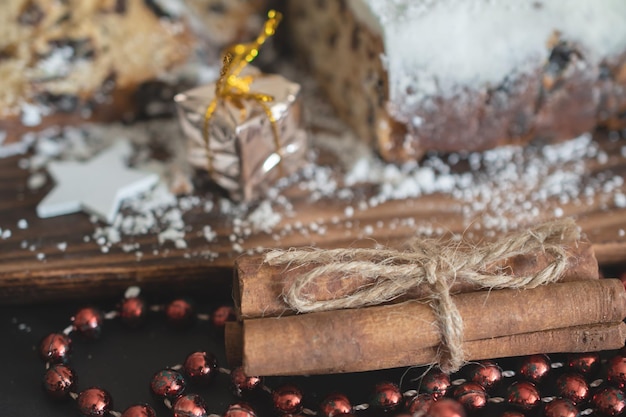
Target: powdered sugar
column 484, row 40
column 490, row 191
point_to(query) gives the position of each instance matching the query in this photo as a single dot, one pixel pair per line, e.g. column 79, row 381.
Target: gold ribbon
column 235, row 88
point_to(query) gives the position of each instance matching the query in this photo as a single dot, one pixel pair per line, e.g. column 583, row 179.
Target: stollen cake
column 64, row 62
column 413, row 76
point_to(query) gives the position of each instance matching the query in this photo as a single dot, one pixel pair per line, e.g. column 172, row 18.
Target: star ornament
column 97, row 186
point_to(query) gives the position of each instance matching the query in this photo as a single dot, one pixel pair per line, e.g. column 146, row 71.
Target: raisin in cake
column 67, row 61
column 464, row 75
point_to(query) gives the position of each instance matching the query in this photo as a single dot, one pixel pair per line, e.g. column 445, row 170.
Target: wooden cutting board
column 51, row 259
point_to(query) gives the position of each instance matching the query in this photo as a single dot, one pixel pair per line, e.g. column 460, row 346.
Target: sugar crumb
column 558, row 212
column 36, row 181
column 208, row 233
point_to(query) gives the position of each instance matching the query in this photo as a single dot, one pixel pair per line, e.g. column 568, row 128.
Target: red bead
column 573, row 387
column 334, row 404
column 221, row 315
column 94, row 402
column 287, row 399
column 420, row 404
column 471, row 395
column 523, row 394
column 55, row 348
column 486, row 373
column 200, row 367
column 609, row 401
column 191, row 405
column 446, row 407
column 535, row 367
column 167, row 383
column 242, row 383
column 436, row 383
column 584, row 363
column 387, row 396
column 133, row 311
column 88, row 322
column 139, row 410
column 58, row 381
column 180, row 312
column 240, row 410
column 616, row 371
column 560, row 407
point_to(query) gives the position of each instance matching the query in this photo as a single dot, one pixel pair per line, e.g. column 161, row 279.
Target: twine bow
column 393, row 273
column 234, row 87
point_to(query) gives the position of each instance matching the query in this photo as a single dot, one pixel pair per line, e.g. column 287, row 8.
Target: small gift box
column 241, row 150
column 246, row 128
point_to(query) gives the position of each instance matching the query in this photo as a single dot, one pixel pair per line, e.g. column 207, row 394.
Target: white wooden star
column 97, row 186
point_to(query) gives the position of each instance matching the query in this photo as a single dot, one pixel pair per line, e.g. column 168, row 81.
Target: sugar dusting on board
column 489, row 192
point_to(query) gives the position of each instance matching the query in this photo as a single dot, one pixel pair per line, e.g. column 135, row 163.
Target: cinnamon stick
column 257, row 286
column 573, row 339
column 398, row 334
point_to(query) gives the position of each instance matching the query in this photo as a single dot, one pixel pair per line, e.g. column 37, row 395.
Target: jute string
column 391, row 273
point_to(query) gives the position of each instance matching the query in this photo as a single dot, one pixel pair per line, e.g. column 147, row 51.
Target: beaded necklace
column 575, row 387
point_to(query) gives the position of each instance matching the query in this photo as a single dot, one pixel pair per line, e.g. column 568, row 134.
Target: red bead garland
column 139, row 410
column 240, row 410
column 560, row 407
column 387, row 396
column 88, row 322
column 436, row 394
column 609, row 401
column 242, row 383
column 133, row 311
column 287, row 399
column 59, row 381
column 200, row 367
column 94, row 402
column 523, row 394
column 190, row 405
column 471, row 395
column 535, row 368
column 573, row 387
column 180, row 312
column 436, row 383
column 486, row 373
column 335, row 404
column 55, row 348
column 616, row 371
column 168, row 383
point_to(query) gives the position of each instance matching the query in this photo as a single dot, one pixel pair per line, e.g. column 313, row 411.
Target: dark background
column 123, row 360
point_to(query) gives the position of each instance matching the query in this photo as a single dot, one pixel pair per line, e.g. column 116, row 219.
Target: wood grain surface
column 34, row 268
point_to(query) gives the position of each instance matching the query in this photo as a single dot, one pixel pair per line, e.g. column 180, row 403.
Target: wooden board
column 34, row 267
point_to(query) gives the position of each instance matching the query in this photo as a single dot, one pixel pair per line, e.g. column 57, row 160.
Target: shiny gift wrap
column 243, row 156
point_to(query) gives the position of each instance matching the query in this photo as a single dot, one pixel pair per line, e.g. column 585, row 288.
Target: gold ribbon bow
column 235, row 88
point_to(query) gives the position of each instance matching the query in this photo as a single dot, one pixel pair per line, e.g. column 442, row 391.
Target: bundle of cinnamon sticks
column 312, row 312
